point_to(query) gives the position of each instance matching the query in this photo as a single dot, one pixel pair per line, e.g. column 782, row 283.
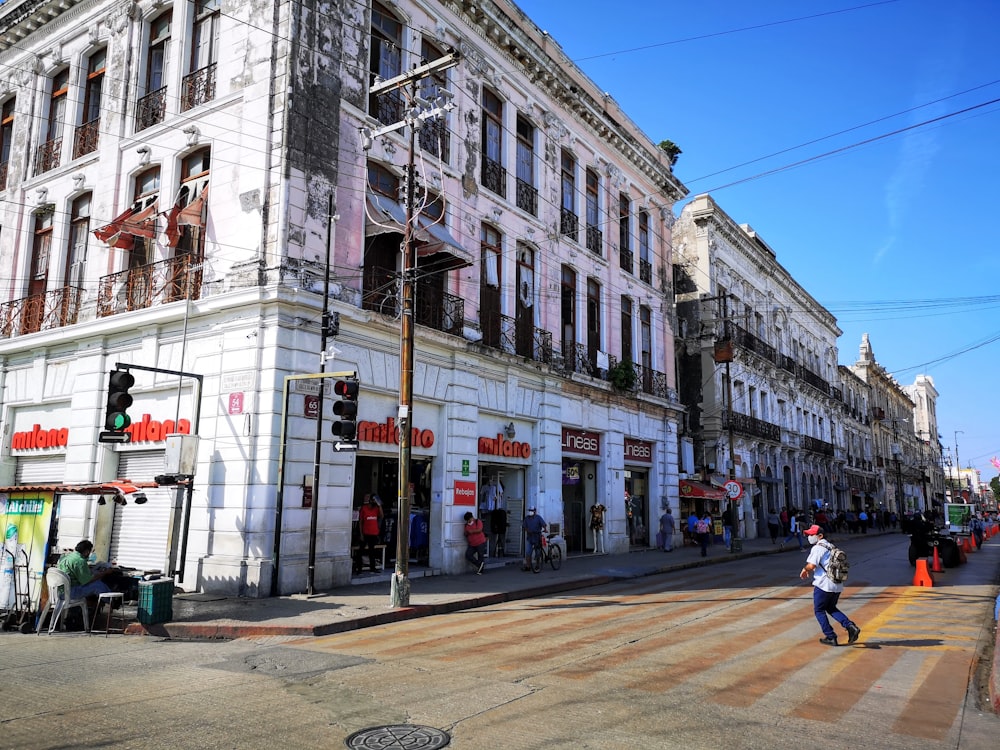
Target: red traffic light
column 346, row 389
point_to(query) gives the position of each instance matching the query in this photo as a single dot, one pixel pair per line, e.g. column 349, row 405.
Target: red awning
column 690, row 488
column 117, row 487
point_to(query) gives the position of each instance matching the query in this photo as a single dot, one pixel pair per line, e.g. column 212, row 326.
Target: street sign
column 734, row 490
column 114, row 437
column 311, row 407
column 338, row 446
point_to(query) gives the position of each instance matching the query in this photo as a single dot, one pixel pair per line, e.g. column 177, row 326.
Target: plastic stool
column 112, row 598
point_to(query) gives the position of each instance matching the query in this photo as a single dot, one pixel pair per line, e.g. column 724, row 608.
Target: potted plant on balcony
column 622, row 375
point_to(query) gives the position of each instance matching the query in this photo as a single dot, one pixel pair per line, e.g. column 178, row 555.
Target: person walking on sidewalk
column 534, row 526
column 773, row 525
column 667, row 530
column 703, row 529
column 794, row 531
column 826, row 593
column 475, row 552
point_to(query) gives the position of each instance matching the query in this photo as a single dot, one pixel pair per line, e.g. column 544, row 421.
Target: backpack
column 837, row 567
column 701, row 527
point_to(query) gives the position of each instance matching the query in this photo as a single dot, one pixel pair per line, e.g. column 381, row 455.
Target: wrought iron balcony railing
column 151, row 109
column 47, row 155
column 85, row 138
column 142, row 287
column 527, row 197
column 750, row 342
column 438, row 310
column 626, row 260
column 40, row 312
column 198, row 87
column 434, row 137
column 816, row 445
column 569, row 224
column 744, row 424
column 645, row 271
column 494, row 176
column 595, row 240
column 524, row 341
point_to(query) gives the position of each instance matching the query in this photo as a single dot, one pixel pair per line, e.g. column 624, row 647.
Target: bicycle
column 548, row 551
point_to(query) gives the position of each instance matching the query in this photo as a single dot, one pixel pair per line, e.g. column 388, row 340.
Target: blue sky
column 895, row 234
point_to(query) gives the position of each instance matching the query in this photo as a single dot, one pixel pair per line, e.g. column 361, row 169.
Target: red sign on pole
column 236, row 403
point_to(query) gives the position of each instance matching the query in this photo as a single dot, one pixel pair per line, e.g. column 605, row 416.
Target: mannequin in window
column 597, row 526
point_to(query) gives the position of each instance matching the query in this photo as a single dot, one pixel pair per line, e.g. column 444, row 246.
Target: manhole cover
column 408, row 736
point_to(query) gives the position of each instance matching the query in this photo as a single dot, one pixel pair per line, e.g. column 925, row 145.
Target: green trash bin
column 156, row 601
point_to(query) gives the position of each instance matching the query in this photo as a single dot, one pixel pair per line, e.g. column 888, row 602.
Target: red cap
column 813, row 530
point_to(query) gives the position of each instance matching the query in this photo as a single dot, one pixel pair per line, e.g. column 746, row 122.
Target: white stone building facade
column 182, row 181
column 758, row 369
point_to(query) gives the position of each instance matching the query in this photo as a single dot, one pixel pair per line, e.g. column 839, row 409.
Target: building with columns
column 214, row 190
column 758, row 362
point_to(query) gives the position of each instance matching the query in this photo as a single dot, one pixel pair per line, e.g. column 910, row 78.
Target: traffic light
column 346, row 428
column 116, row 418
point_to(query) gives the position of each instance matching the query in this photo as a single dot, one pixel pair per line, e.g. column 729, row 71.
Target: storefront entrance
column 636, row 507
column 578, row 494
column 380, row 477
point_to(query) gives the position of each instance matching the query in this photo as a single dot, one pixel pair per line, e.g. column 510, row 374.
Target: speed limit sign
column 734, row 490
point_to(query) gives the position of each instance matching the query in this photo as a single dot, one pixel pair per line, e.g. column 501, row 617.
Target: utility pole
column 958, row 470
column 416, row 113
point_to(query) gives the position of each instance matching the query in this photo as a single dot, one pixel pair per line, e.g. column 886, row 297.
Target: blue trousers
column 825, row 603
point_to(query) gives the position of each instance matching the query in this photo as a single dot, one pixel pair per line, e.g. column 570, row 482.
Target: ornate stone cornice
column 518, row 41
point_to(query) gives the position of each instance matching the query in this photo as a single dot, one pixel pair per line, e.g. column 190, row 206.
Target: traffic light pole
column 175, row 568
column 279, row 501
column 324, row 333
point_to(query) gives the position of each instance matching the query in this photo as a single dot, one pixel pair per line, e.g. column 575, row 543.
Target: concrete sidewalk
column 206, row 616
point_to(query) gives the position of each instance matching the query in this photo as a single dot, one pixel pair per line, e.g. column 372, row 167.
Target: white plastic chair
column 60, row 601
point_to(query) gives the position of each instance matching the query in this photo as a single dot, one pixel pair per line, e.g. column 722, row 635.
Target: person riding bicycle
column 534, row 526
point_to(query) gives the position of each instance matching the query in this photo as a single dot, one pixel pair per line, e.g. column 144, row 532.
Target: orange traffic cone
column 964, row 546
column 923, row 576
column 962, row 559
column 936, row 566
column 972, row 542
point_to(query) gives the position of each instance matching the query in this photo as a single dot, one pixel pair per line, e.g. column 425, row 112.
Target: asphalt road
column 713, row 657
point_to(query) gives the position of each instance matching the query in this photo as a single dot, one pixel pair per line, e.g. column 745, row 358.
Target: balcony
column 40, row 312
column 816, row 445
column 438, row 310
column 47, row 155
column 569, row 224
column 576, row 359
column 527, row 197
column 494, row 176
column 811, row 378
column 151, row 109
column 595, row 240
column 198, row 88
column 746, row 340
column 434, row 137
column 143, row 287
column 387, row 108
column 626, row 260
column 85, row 138
column 529, row 342
column 645, row 271
column 744, row 424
